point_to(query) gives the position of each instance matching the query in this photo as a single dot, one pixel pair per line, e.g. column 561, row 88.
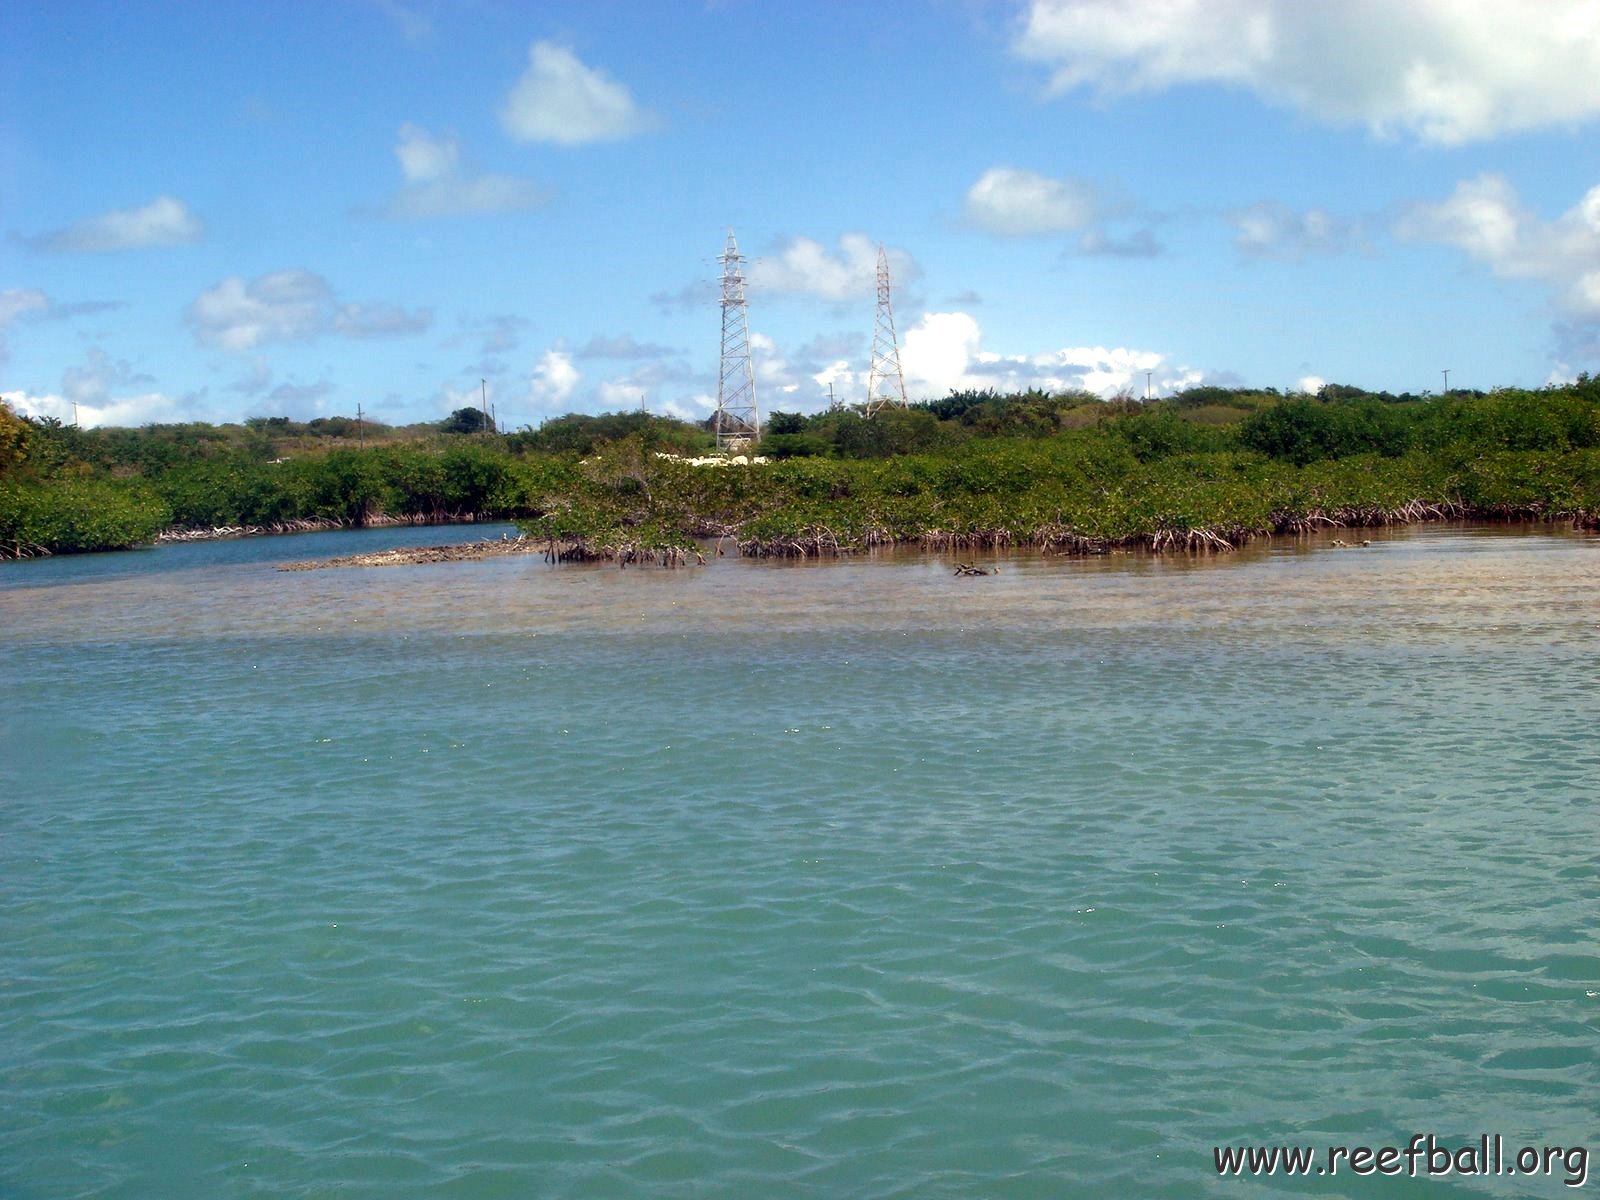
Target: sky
column 221, row 210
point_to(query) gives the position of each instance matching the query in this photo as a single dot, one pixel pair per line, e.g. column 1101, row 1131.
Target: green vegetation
column 1210, row 467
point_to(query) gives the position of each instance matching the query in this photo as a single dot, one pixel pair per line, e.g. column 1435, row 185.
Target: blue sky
column 221, row 210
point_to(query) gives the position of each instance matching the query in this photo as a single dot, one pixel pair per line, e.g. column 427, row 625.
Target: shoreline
column 1052, row 544
column 503, row 547
column 218, row 533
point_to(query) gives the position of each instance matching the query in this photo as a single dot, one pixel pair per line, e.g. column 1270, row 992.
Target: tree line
column 65, row 489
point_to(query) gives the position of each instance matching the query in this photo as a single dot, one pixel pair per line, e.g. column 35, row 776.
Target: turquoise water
column 762, row 880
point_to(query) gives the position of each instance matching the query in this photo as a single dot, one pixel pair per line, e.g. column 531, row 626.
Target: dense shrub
column 73, row 515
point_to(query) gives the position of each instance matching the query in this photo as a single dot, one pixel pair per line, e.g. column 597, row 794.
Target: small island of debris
column 404, row 556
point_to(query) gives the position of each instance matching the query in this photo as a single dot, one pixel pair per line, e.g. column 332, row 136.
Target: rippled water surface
column 760, row 880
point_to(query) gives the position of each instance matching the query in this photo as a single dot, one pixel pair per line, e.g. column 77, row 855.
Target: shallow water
column 843, row 879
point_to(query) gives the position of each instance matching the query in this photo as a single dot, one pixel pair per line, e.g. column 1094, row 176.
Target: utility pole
column 361, row 433
column 1147, row 376
column 483, row 403
column 833, row 403
column 1447, row 382
column 75, row 422
column 886, row 383
column 737, row 419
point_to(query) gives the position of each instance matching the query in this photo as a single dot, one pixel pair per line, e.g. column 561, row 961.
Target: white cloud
column 937, row 350
column 1485, row 218
column 287, row 306
column 1443, row 71
column 618, row 395
column 436, row 185
column 1311, row 384
column 849, row 386
column 165, row 221
column 124, row 411
column 474, row 396
column 1017, row 203
column 280, row 307
column 424, row 156
column 683, row 412
column 943, row 352
column 773, row 376
column 1269, row 230
column 554, row 379
column 804, row 267
column 18, row 303
column 559, row 99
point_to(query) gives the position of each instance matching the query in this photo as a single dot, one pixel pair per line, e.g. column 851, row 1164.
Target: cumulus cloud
column 694, row 409
column 424, row 156
column 1270, row 230
column 1485, row 218
column 165, row 221
column 1017, row 203
column 944, row 352
column 645, row 385
column 554, row 380
column 937, row 351
column 288, row 306
column 804, row 267
column 1442, row 71
column 436, row 184
column 122, row 411
column 559, row 99
column 840, row 383
column 774, row 379
column 1010, row 202
column 280, row 307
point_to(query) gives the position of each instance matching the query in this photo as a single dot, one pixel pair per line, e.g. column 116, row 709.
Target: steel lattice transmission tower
column 886, row 383
column 738, row 419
